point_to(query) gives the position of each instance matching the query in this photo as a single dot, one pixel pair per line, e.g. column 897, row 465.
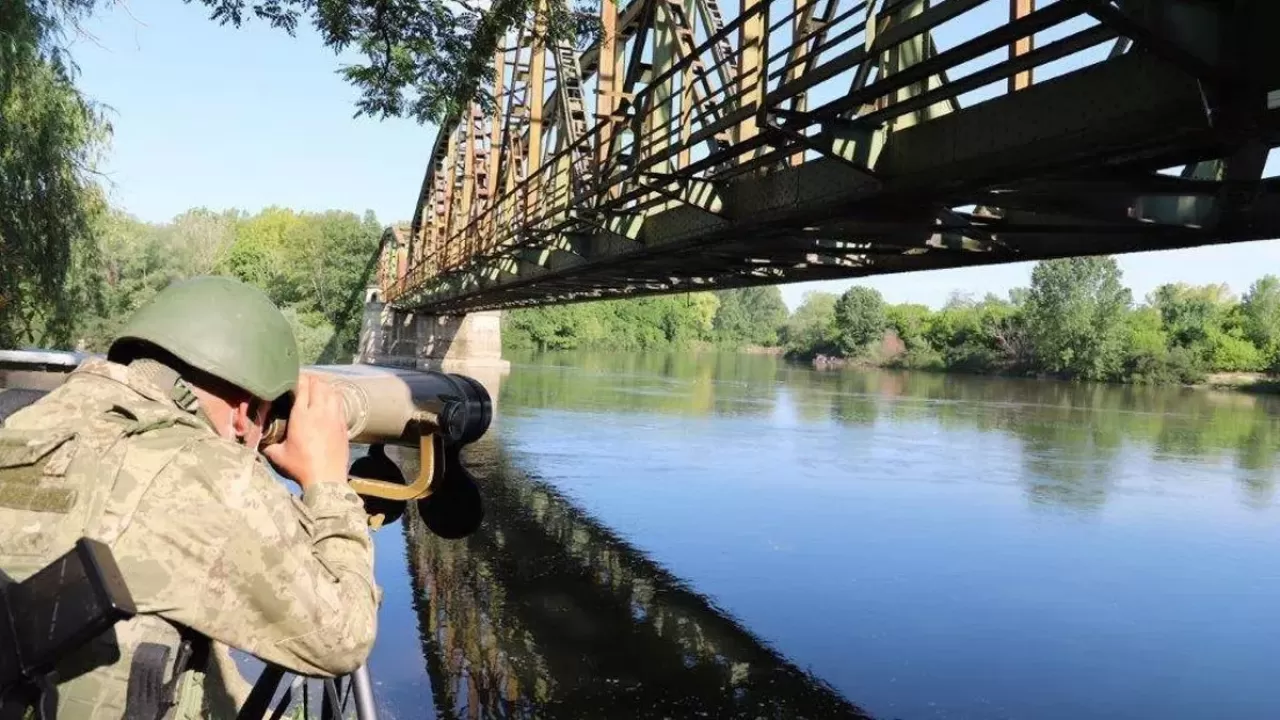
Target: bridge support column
column 468, row 344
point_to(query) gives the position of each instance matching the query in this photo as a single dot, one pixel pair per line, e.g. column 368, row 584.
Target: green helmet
column 225, row 328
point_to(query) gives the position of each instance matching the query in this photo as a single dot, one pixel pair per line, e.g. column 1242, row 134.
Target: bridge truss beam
column 689, row 148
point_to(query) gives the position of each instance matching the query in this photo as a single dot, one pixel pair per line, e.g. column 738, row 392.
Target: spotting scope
column 435, row 412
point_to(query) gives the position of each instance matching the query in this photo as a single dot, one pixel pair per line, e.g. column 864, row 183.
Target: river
column 727, row 535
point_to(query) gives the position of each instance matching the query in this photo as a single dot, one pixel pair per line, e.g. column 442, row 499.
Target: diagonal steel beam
column 1155, row 40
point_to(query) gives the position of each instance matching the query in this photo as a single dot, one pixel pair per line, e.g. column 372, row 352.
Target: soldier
column 154, row 451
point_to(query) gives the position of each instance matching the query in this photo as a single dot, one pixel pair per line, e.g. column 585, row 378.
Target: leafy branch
column 422, row 59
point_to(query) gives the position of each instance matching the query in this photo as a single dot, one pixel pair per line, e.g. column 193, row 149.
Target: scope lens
column 477, row 408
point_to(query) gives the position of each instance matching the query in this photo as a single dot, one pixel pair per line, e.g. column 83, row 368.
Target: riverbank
column 1246, row 382
column 1242, row 382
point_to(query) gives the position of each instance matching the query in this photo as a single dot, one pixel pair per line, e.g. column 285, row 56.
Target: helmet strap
column 162, row 376
column 184, row 397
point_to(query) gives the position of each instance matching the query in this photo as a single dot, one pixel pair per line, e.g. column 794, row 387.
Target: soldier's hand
column 315, row 449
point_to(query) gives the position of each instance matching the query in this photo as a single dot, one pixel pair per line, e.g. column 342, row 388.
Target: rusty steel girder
column 697, row 147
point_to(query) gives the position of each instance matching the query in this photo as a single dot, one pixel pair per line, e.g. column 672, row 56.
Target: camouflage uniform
column 205, row 536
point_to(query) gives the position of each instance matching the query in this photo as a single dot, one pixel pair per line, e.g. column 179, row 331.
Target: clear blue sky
column 211, row 116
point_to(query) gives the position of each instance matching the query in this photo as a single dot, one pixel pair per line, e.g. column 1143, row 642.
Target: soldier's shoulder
column 214, row 453
column 231, row 475
column 94, row 379
column 78, row 398
column 225, row 463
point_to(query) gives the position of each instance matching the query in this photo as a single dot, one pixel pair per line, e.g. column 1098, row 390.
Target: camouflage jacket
column 206, row 537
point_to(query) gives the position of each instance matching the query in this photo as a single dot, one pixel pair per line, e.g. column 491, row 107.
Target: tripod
column 259, row 700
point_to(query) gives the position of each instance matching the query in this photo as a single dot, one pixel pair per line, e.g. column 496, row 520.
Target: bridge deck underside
column 1066, row 166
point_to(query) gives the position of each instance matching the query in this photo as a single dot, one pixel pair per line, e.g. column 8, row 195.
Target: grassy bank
column 1247, row 382
column 1244, row 382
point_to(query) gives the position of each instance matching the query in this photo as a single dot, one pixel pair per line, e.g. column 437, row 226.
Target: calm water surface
column 729, row 536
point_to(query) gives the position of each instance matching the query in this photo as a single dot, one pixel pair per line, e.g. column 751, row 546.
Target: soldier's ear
column 242, row 420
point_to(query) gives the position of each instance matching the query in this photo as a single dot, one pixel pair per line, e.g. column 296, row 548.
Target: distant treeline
column 748, row 317
column 313, row 265
column 1076, row 320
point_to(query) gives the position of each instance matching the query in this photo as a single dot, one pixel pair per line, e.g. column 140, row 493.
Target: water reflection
column 1073, row 438
column 546, row 613
column 690, row 384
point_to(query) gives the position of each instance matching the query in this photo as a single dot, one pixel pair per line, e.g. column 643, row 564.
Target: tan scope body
column 390, row 405
column 379, row 407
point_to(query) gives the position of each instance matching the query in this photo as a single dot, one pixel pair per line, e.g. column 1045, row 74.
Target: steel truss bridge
column 694, row 146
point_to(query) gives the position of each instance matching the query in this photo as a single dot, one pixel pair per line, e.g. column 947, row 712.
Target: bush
column 1156, row 367
column 974, row 358
column 918, row 358
column 1235, row 354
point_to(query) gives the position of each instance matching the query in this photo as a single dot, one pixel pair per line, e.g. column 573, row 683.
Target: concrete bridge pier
column 468, row 344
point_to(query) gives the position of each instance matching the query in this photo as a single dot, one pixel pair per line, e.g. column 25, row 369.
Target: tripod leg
column 259, row 700
column 363, row 691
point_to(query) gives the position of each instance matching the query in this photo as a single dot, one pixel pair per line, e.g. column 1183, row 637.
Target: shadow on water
column 546, row 613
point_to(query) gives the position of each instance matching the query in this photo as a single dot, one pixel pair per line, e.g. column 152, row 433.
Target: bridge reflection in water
column 546, row 613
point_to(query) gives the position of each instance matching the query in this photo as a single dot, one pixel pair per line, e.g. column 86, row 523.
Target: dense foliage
column 314, row 265
column 749, row 316
column 731, row 318
column 1076, row 320
column 50, row 139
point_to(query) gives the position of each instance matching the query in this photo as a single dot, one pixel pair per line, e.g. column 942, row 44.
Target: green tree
column 811, row 330
column 683, row 319
column 909, row 321
column 135, row 261
column 1260, row 312
column 750, row 316
column 1191, row 315
column 50, row 140
column 200, row 239
column 860, row 320
column 327, row 263
column 314, row 265
column 979, row 336
column 664, row 321
column 1075, row 312
column 258, row 254
column 554, row 327
column 1145, row 332
column 1208, row 323
column 1233, row 353
column 311, row 330
column 1147, row 355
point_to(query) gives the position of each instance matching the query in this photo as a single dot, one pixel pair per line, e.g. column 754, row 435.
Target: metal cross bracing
column 694, row 146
